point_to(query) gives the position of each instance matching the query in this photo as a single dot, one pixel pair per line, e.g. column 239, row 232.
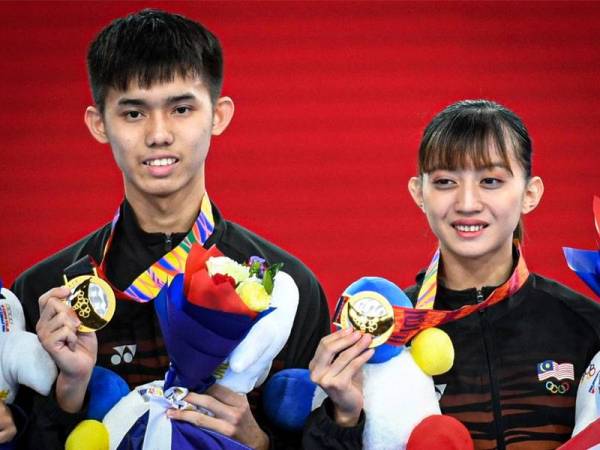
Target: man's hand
column 73, row 352
column 232, row 416
column 8, row 429
column 337, row 368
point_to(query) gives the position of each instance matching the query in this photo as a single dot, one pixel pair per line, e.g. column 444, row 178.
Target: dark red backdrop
column 331, row 99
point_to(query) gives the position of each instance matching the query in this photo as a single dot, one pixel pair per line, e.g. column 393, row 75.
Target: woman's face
column 473, row 212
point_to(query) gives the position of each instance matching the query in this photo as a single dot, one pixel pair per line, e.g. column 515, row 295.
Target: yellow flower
column 254, row 295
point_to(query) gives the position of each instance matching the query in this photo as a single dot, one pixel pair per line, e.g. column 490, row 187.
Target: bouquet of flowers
column 221, row 321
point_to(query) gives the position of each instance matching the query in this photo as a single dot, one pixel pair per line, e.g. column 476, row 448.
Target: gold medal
column 369, row 312
column 92, row 299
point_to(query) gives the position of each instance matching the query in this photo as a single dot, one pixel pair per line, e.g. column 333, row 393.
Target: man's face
column 159, row 136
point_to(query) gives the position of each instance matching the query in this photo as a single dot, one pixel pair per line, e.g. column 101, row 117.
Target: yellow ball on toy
column 433, row 351
column 88, row 435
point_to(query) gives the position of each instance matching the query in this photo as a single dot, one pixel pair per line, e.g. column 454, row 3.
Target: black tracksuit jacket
column 134, row 331
column 493, row 387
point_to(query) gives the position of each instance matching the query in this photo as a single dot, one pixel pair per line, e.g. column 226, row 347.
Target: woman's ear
column 415, row 187
column 534, row 190
column 95, row 123
column 222, row 115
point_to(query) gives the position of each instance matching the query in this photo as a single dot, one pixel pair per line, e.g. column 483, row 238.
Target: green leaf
column 270, row 276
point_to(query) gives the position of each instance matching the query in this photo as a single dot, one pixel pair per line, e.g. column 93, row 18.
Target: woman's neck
column 173, row 214
column 460, row 273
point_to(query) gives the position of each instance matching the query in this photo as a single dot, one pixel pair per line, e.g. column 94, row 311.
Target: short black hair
column 153, row 46
column 467, row 131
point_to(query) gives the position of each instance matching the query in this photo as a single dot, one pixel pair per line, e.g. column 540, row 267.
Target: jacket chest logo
column 556, row 376
column 124, row 354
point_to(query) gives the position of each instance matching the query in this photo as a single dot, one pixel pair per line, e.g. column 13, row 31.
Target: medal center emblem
column 369, row 312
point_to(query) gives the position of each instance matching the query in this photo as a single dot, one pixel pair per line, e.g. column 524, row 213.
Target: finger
column 60, row 319
column 62, row 293
column 336, row 386
column 218, row 408
column 354, row 367
column 332, row 344
column 328, row 351
column 225, row 395
column 350, row 354
column 7, row 434
column 53, row 306
column 64, row 336
column 202, row 420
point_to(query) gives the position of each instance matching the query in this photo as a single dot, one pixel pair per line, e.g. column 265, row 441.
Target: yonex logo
column 125, row 353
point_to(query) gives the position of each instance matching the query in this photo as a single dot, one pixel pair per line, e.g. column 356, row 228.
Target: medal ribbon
column 408, row 321
column 149, row 283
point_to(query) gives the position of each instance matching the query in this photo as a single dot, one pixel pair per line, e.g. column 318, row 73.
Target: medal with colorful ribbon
column 369, row 314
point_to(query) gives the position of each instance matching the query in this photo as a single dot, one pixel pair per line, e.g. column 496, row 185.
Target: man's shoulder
column 45, row 274
column 240, row 243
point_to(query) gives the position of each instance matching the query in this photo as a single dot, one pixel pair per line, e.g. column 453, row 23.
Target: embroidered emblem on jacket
column 551, row 369
column 125, row 353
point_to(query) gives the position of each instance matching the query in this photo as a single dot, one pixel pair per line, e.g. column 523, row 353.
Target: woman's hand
column 337, row 368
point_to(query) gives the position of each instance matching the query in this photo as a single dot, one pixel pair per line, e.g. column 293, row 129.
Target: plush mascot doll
column 586, row 264
column 222, row 322
column 401, row 405
column 23, row 360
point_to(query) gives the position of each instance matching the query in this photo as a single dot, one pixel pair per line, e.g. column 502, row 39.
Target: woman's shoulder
column 559, row 291
column 585, row 307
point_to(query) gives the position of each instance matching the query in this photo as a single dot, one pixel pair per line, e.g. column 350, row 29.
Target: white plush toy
column 400, row 401
column 23, row 360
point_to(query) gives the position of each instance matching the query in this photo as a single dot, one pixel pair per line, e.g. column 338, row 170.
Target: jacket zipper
column 487, row 343
column 168, row 242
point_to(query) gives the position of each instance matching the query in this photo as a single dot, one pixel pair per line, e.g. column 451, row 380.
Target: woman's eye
column 443, row 182
column 491, row 182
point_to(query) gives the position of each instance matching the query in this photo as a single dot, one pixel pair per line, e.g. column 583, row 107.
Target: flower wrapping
column 202, row 321
column 203, row 318
column 586, row 263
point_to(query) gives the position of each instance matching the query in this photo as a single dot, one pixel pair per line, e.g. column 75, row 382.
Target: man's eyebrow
column 131, row 102
column 169, row 101
column 180, row 98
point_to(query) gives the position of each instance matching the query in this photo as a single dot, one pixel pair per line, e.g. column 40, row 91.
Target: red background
column 331, row 99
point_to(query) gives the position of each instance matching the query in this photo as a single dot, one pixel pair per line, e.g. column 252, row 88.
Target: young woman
column 519, row 360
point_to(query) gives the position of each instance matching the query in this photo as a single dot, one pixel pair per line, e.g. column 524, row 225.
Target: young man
column 156, row 81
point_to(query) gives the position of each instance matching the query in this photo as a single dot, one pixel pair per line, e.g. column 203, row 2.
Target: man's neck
column 173, row 214
column 461, row 273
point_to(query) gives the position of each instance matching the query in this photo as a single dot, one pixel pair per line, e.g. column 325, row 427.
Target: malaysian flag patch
column 551, row 369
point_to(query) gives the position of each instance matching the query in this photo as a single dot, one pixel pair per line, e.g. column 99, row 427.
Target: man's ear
column 95, row 123
column 533, row 194
column 223, row 114
column 415, row 187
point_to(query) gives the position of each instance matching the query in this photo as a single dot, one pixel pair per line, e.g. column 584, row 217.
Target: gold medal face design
column 369, row 312
column 93, row 300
